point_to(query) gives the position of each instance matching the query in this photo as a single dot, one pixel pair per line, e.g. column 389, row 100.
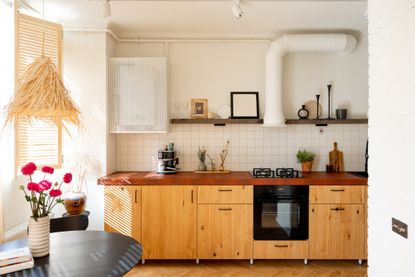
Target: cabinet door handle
column 135, row 196
column 337, row 209
column 225, row 209
column 191, row 196
column 281, row 246
column 223, row 190
column 337, row 190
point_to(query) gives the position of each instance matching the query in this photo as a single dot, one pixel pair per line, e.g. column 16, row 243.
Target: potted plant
column 306, row 159
column 42, row 197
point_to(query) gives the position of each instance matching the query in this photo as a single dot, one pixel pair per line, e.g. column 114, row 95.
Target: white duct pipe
column 274, row 116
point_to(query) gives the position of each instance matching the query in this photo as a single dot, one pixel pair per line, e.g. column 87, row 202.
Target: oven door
column 280, row 219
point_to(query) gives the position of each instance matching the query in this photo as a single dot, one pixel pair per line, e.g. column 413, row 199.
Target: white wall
column 250, row 146
column 213, row 70
column 111, row 138
column 391, row 136
column 85, row 71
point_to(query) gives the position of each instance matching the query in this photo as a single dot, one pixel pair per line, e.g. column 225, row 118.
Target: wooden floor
column 266, row 268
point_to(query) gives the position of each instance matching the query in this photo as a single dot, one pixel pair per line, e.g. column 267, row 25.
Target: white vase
column 39, row 237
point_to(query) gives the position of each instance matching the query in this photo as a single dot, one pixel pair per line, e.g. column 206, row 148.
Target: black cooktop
column 277, row 173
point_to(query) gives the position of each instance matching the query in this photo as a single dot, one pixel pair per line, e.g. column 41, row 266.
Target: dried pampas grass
column 42, row 95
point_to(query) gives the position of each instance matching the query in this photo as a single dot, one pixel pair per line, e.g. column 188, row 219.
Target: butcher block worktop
column 234, row 178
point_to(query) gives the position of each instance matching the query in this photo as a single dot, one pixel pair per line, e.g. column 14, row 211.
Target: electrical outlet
column 400, row 228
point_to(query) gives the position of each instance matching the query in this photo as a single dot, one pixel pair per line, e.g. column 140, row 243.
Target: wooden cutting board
column 336, row 159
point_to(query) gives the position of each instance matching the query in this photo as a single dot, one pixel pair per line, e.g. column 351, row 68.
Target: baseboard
column 17, row 232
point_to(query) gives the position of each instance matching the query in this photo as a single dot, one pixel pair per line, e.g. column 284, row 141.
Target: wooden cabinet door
column 225, row 194
column 122, row 210
column 337, row 231
column 169, row 222
column 225, row 231
column 338, row 194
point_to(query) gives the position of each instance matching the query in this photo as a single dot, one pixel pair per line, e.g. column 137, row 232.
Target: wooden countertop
column 234, row 178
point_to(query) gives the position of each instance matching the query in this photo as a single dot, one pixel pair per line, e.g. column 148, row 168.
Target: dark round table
column 84, row 254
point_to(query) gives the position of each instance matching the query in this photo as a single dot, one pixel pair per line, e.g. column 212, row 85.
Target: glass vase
column 75, row 200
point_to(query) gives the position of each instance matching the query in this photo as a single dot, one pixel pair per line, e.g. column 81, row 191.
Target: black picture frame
column 234, row 101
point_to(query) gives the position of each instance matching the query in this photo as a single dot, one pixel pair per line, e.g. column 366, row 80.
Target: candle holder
column 329, row 110
column 318, row 105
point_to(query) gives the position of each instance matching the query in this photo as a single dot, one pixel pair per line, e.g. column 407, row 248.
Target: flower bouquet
column 42, row 197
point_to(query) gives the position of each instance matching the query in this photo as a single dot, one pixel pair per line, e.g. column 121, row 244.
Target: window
column 37, row 141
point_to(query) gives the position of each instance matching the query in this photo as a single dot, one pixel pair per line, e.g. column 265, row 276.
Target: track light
column 106, row 8
column 236, row 9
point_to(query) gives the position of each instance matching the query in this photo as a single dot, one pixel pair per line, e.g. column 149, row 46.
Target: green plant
column 201, row 154
column 305, row 156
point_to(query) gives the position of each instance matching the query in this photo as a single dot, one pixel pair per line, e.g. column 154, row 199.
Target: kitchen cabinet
column 225, row 222
column 169, row 222
column 280, row 249
column 337, row 224
column 225, row 194
column 225, row 231
column 122, row 210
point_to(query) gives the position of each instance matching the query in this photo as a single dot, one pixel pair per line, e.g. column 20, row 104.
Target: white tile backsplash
column 250, row 146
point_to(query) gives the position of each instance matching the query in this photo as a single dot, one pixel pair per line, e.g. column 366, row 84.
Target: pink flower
column 48, row 169
column 67, row 178
column 32, row 186
column 55, row 193
column 45, row 185
column 29, row 169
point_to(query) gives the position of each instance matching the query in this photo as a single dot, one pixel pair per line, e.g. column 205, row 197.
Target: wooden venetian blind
column 37, row 141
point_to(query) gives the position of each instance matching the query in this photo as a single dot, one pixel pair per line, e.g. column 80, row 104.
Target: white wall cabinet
column 138, row 95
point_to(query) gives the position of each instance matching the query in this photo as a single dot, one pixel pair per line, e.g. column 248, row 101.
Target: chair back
column 70, row 223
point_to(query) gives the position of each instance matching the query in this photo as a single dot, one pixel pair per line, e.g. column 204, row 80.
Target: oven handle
column 298, row 213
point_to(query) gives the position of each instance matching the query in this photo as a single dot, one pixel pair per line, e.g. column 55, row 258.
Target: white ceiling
column 208, row 18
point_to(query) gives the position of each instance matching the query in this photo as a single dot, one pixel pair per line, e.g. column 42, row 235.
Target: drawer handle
column 223, row 190
column 281, row 246
column 225, row 209
column 337, row 209
column 337, row 190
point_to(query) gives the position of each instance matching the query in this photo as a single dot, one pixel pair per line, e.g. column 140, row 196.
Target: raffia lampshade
column 42, row 95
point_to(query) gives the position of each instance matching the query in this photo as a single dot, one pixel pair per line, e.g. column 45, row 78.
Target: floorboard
column 266, row 268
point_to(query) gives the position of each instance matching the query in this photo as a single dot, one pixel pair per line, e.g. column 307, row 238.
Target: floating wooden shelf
column 327, row 121
column 222, row 122
column 217, row 121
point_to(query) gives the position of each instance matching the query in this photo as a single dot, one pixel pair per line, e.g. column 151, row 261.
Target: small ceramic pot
column 202, row 166
column 341, row 113
column 306, row 166
column 39, row 236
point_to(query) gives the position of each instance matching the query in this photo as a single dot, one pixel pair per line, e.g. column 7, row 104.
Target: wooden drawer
column 225, row 194
column 338, row 194
column 280, row 249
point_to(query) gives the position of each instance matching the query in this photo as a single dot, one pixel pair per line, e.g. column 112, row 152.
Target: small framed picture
column 244, row 105
column 199, row 108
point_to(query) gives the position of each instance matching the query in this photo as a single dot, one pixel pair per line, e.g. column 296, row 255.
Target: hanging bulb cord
column 43, row 28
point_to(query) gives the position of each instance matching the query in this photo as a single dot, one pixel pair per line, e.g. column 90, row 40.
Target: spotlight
column 236, row 9
column 106, row 8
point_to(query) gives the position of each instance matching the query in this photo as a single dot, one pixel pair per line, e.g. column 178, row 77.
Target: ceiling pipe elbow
column 274, row 116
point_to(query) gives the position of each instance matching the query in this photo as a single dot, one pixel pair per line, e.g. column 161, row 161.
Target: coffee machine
column 167, row 160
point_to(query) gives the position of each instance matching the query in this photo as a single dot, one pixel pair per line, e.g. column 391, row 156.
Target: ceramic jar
column 39, row 236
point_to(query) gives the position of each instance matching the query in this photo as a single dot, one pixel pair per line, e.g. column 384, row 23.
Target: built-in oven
column 280, row 212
